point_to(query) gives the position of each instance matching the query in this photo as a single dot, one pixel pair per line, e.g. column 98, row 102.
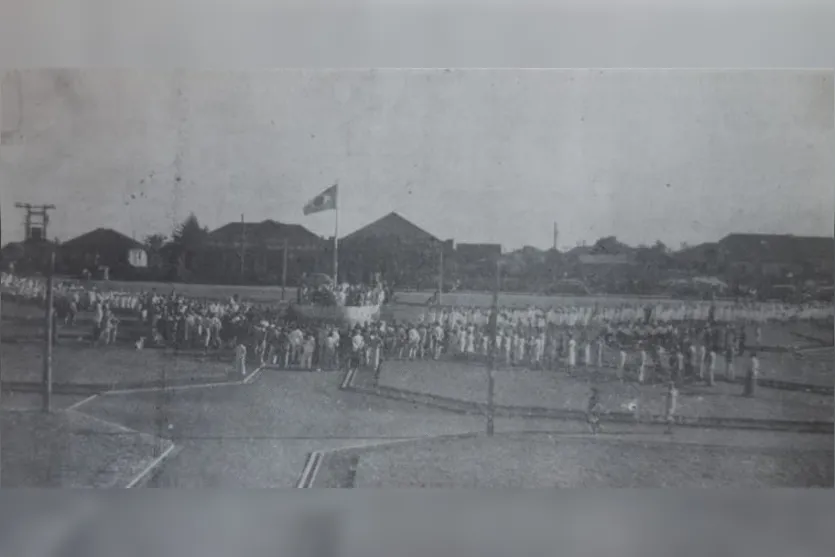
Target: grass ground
column 69, row 449
column 550, row 389
column 541, row 460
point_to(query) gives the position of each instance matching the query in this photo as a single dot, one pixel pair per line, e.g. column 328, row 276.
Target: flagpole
column 336, row 236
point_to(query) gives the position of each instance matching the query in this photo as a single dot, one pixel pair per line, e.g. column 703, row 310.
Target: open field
column 543, row 460
column 82, row 366
column 558, row 390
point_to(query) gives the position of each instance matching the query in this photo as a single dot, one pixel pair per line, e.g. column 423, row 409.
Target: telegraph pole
column 50, row 325
column 36, row 216
column 1, row 369
column 284, row 269
column 491, row 361
column 554, row 256
column 243, row 247
column 441, row 275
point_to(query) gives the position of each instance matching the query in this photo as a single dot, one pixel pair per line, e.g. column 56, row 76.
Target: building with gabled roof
column 103, row 250
column 777, row 255
column 750, row 258
column 267, row 233
column 101, row 239
column 390, row 227
column 402, row 252
column 253, row 253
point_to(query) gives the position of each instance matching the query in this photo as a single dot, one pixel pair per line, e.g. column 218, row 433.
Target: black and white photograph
column 417, row 278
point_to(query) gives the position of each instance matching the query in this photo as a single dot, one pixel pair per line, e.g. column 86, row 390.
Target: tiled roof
column 265, row 232
column 101, row 238
column 391, row 226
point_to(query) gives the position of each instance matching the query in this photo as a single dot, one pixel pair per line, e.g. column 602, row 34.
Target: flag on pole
column 325, row 201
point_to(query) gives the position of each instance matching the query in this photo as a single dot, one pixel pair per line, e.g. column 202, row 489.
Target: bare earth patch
column 75, row 363
column 70, row 449
column 550, row 389
column 514, row 460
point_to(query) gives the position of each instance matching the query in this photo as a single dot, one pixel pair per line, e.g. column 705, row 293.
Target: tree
column 154, row 242
column 187, row 241
column 189, row 235
column 660, row 247
column 153, row 245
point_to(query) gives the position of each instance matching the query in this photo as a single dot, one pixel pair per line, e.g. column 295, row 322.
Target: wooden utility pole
column 284, row 269
column 1, row 368
column 491, row 361
column 441, row 275
column 555, row 256
column 50, row 324
column 243, row 247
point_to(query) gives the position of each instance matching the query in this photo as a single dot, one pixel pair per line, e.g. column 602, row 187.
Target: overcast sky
column 474, row 155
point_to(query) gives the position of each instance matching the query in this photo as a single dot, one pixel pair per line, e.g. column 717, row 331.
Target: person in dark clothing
column 742, row 336
column 593, row 411
column 345, row 348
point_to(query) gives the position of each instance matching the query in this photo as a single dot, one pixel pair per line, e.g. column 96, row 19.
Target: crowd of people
column 670, row 340
column 259, row 332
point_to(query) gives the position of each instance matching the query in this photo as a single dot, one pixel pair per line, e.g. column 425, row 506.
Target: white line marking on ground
column 387, row 442
column 153, row 464
column 349, row 379
column 308, row 462
column 311, row 467
column 172, row 388
column 315, row 471
column 120, row 427
column 401, row 440
column 245, row 381
column 81, row 403
column 251, row 377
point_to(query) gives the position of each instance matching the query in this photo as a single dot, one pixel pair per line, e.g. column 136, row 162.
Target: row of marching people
column 633, row 313
column 687, row 349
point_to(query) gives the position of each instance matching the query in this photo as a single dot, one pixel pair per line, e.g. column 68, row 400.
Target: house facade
column 103, row 252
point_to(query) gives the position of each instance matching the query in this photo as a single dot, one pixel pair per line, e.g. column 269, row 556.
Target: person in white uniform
column 572, row 353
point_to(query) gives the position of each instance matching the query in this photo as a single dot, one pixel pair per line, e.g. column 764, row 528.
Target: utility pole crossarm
column 35, row 215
